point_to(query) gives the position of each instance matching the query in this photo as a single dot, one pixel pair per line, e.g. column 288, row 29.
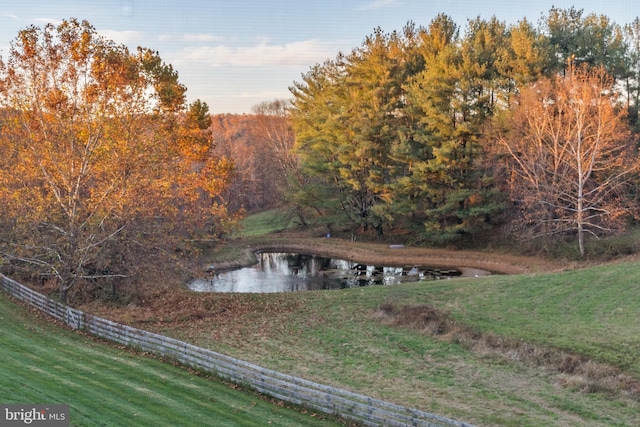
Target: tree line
column 434, row 131
column 445, row 132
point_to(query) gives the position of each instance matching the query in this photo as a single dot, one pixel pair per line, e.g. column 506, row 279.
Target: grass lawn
column 265, row 222
column 340, row 338
column 593, row 312
column 43, row 363
column 587, row 318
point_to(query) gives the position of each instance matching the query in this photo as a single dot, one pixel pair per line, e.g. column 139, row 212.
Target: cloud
column 9, row 15
column 53, row 21
column 201, row 37
column 190, row 38
column 378, row 4
column 306, row 52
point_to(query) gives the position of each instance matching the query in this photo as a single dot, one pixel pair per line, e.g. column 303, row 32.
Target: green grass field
column 341, row 338
column 338, row 338
column 264, row 223
column 43, row 363
column 594, row 312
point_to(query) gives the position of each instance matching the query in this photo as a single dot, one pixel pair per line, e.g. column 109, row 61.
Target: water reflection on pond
column 286, row 272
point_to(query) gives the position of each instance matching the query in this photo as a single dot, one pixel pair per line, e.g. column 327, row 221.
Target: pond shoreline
column 377, row 253
column 278, row 271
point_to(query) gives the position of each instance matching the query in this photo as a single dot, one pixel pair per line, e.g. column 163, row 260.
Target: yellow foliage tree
column 93, row 151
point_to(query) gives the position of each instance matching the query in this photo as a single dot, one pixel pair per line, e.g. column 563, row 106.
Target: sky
column 235, row 54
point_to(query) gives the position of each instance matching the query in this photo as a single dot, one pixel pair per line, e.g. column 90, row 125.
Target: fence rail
column 368, row 411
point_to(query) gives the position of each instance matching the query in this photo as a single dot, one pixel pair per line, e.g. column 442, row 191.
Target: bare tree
column 571, row 155
column 273, row 126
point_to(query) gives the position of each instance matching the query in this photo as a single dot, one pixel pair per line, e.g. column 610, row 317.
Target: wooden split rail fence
column 348, row 405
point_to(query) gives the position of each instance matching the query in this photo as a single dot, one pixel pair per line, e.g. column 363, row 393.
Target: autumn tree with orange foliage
column 201, row 176
column 101, row 163
column 571, row 155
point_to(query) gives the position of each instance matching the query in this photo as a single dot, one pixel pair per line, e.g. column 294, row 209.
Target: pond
column 288, row 272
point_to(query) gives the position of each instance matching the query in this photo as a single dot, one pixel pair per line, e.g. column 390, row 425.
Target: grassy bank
column 543, row 347
column 345, row 339
column 108, row 386
column 506, row 350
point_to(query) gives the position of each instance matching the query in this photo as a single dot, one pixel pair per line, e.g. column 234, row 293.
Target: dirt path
column 374, row 253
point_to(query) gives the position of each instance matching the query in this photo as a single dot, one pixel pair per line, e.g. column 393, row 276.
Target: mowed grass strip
column 109, row 386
